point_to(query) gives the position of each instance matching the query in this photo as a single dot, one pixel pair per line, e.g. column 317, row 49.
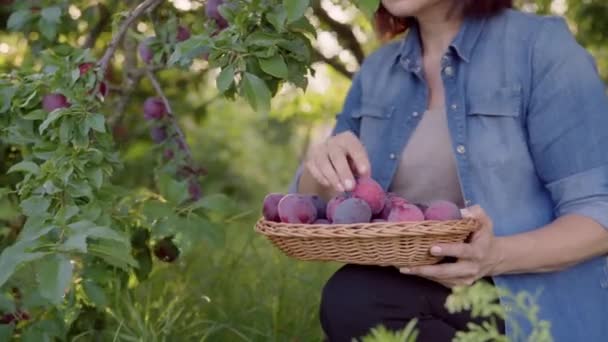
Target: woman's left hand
column 476, row 259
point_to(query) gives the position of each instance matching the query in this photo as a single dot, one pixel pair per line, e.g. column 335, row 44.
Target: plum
column 212, row 11
column 145, row 51
column 54, row 101
column 165, row 250
column 158, row 134
column 195, row 191
column 405, row 212
column 183, row 33
column 320, row 205
column 296, row 208
column 371, row 192
column 85, row 67
column 352, row 210
column 390, row 201
column 168, row 154
column 154, row 108
column 321, row 221
column 442, row 210
column 331, row 206
column 271, row 207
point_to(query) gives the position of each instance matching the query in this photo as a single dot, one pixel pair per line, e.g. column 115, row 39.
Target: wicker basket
column 401, row 244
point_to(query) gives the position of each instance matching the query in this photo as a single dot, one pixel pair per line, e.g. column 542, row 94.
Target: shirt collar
column 463, row 44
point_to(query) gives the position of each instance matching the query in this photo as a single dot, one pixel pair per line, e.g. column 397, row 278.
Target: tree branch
column 170, row 114
column 334, row 63
column 344, row 31
column 133, row 14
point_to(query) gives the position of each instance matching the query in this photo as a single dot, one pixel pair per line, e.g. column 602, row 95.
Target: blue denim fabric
column 528, row 117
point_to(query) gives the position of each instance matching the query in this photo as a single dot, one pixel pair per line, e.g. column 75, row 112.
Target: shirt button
column 449, row 71
column 415, row 114
column 454, row 106
column 392, row 156
column 461, row 149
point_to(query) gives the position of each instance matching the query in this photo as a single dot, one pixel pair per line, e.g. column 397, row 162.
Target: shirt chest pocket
column 495, row 130
column 375, row 122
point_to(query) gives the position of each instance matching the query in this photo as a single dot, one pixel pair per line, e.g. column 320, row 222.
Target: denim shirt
column 528, row 118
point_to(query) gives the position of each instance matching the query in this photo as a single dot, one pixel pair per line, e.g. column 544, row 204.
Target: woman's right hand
column 335, row 162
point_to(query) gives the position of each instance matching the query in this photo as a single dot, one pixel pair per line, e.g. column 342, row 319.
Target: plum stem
column 135, row 13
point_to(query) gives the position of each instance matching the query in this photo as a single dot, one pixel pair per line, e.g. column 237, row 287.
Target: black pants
column 357, row 298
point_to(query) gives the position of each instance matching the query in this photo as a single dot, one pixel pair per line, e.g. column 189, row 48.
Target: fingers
column 457, row 270
column 479, row 214
column 326, row 169
column 331, row 164
column 340, row 164
column 356, row 151
column 457, row 250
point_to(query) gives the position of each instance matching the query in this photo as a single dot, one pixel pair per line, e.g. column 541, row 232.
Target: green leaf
column 14, row 256
column 172, row 190
column 18, row 19
column 113, row 253
column 303, row 25
column 196, row 228
column 256, row 92
column 95, row 293
column 214, row 202
column 6, row 304
column 97, row 122
column 274, row 66
column 6, row 331
column 48, row 29
column 6, row 94
column 65, row 130
column 225, row 78
column 295, row 8
column 51, row 14
column 76, row 243
column 53, row 116
column 54, row 275
column 277, row 17
column 37, row 114
column 368, row 6
column 144, row 260
column 96, row 177
column 34, row 232
column 35, row 206
column 25, row 166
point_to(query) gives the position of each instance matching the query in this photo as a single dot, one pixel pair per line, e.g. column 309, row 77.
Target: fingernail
column 348, row 184
column 362, row 169
column 435, row 250
column 405, row 270
column 340, row 187
column 465, row 212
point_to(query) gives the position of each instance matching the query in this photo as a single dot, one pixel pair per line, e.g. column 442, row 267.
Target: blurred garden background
column 228, row 283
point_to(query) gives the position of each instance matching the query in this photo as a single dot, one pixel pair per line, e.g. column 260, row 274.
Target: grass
column 243, row 291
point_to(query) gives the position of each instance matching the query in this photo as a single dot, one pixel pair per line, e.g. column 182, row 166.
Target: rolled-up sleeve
column 567, row 123
column 344, row 122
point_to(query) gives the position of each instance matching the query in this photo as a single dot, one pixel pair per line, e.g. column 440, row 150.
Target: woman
column 502, row 112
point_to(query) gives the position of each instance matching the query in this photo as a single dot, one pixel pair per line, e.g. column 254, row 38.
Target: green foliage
column 86, row 199
column 484, row 300
column 381, row 334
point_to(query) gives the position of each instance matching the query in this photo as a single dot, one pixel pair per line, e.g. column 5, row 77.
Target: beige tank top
column 427, row 167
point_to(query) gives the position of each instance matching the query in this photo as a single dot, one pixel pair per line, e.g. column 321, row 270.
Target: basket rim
column 368, row 230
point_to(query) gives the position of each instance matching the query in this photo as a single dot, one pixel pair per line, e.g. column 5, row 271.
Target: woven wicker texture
column 384, row 243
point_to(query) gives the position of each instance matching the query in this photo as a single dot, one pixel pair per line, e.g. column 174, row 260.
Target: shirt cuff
column 293, row 187
column 584, row 193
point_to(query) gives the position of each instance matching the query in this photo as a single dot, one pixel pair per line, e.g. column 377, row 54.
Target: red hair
column 388, row 26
